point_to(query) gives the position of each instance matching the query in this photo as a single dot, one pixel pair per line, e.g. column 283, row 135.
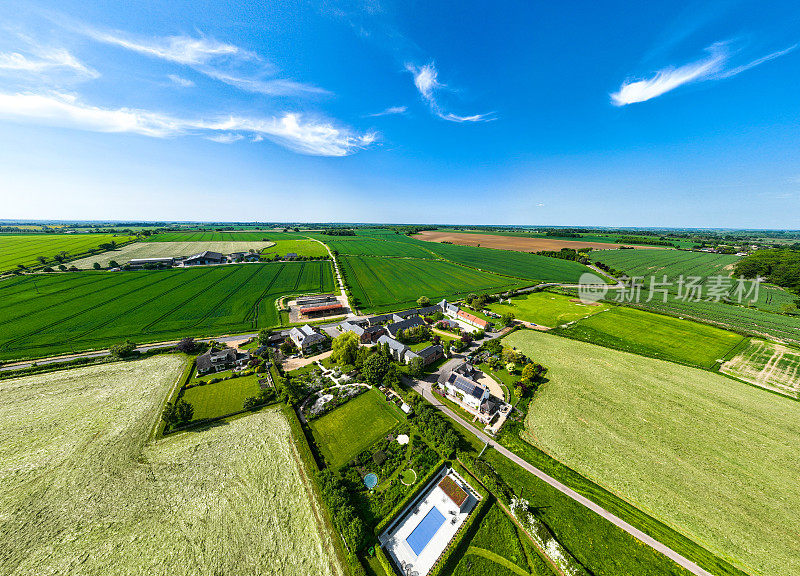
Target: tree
column 123, row 349
column 113, row 264
column 170, row 414
column 507, row 319
column 61, row 256
column 96, row 266
column 263, row 337
column 41, row 259
column 423, row 301
column 345, row 348
column 252, row 402
column 529, row 371
column 185, row 411
column 510, row 367
column 375, row 368
column 186, row 345
column 361, row 356
column 416, row 367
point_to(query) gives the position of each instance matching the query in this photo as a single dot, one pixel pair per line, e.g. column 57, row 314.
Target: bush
column 123, row 349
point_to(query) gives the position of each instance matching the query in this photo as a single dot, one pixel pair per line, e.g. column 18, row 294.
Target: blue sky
column 612, row 113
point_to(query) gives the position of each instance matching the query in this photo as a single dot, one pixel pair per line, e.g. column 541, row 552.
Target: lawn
column 655, row 335
column 25, row 249
column 769, row 365
column 380, row 284
column 546, row 308
column 48, row 314
column 715, row 459
column 345, row 432
column 221, row 398
column 84, row 494
column 165, row 250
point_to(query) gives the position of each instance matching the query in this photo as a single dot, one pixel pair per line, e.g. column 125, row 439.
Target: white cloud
column 391, row 110
column 293, row 131
column 228, row 138
column 180, row 81
column 44, row 60
column 426, row 79
column 712, row 67
column 221, row 61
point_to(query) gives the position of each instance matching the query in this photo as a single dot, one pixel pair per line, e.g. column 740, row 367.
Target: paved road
column 424, row 388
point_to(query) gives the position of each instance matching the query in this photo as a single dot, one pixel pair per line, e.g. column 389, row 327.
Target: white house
column 307, row 338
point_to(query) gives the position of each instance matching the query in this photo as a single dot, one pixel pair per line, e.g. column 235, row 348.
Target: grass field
column 221, row 398
column 83, row 494
column 385, row 283
column 673, row 263
column 304, row 247
column 26, row 248
column 499, row 548
column 385, row 245
column 166, row 250
column 351, row 428
column 655, row 335
column 47, row 314
column 679, row 443
column 769, row 365
column 547, row 309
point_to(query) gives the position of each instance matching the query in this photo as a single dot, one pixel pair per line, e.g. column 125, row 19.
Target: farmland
column 673, row 263
column 385, row 283
column 351, row 428
column 660, row 435
column 769, row 365
column 48, row 314
column 655, row 335
column 84, row 494
column 546, row 308
column 25, row 249
column 385, row 246
column 518, row 243
column 212, row 236
column 304, row 247
column 166, row 250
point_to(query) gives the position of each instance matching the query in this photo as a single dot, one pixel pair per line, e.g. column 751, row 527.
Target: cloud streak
column 713, row 67
column 390, row 111
column 426, row 80
column 293, row 131
column 45, row 60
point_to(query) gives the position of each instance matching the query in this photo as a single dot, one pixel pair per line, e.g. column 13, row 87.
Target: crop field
column 499, row 548
column 682, row 444
column 518, row 243
column 547, row 309
column 165, row 250
column 655, row 335
column 84, row 494
column 769, row 365
column 304, row 247
column 48, row 314
column 349, row 429
column 384, row 283
column 211, row 236
column 516, row 264
column 361, row 246
column 25, row 249
column 221, row 398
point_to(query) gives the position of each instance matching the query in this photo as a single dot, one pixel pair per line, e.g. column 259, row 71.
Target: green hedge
column 384, row 561
column 402, row 504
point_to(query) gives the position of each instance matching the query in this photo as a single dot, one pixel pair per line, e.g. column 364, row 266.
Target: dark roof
column 207, row 255
column 405, row 325
column 428, row 310
column 466, row 385
column 380, row 319
column 215, row 357
column 431, row 351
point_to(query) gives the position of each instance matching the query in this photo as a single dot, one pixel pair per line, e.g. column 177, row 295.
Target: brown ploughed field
column 516, row 243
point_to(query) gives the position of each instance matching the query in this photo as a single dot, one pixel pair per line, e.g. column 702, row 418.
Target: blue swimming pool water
column 370, row 480
column 425, row 530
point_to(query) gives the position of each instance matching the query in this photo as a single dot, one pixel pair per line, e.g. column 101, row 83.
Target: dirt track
column 516, row 243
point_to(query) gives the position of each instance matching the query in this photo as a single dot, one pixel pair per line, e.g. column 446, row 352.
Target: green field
column 165, row 250
column 769, row 365
column 25, row 249
column 221, row 398
column 83, row 492
column 673, row 263
column 304, row 247
column 655, row 335
column 679, row 443
column 48, row 314
column 546, row 308
column 385, row 283
column 351, row 428
column 380, row 246
column 499, row 548
column 212, row 236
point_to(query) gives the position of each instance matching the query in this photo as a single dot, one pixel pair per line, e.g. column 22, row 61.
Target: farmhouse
column 366, row 335
column 397, row 349
column 395, row 327
column 426, row 526
column 307, row 338
column 457, row 313
column 380, row 319
column 205, row 258
column 217, row 359
column 431, row 354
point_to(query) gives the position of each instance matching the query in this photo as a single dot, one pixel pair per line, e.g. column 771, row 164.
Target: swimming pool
column 425, row 530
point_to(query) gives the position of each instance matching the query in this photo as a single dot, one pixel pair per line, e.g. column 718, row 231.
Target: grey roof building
column 206, row 257
column 305, row 337
column 216, row 359
column 395, row 328
column 397, row 349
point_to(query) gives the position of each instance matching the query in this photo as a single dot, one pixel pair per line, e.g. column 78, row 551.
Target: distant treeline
column 566, row 254
column 645, row 241
column 339, row 232
column 778, row 266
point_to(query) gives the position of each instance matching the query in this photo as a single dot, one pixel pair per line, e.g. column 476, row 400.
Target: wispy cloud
column 715, row 66
column 221, row 61
column 44, row 60
column 426, row 79
column 391, row 110
column 319, row 137
column 180, row 81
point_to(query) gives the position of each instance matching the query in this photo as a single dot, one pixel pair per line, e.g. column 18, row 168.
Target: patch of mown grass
column 221, row 398
column 547, row 308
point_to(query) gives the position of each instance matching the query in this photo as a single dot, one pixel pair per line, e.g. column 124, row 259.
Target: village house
column 218, row 359
column 431, row 354
column 307, row 339
column 458, row 385
column 457, row 313
column 395, row 327
column 396, row 349
column 366, row 335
